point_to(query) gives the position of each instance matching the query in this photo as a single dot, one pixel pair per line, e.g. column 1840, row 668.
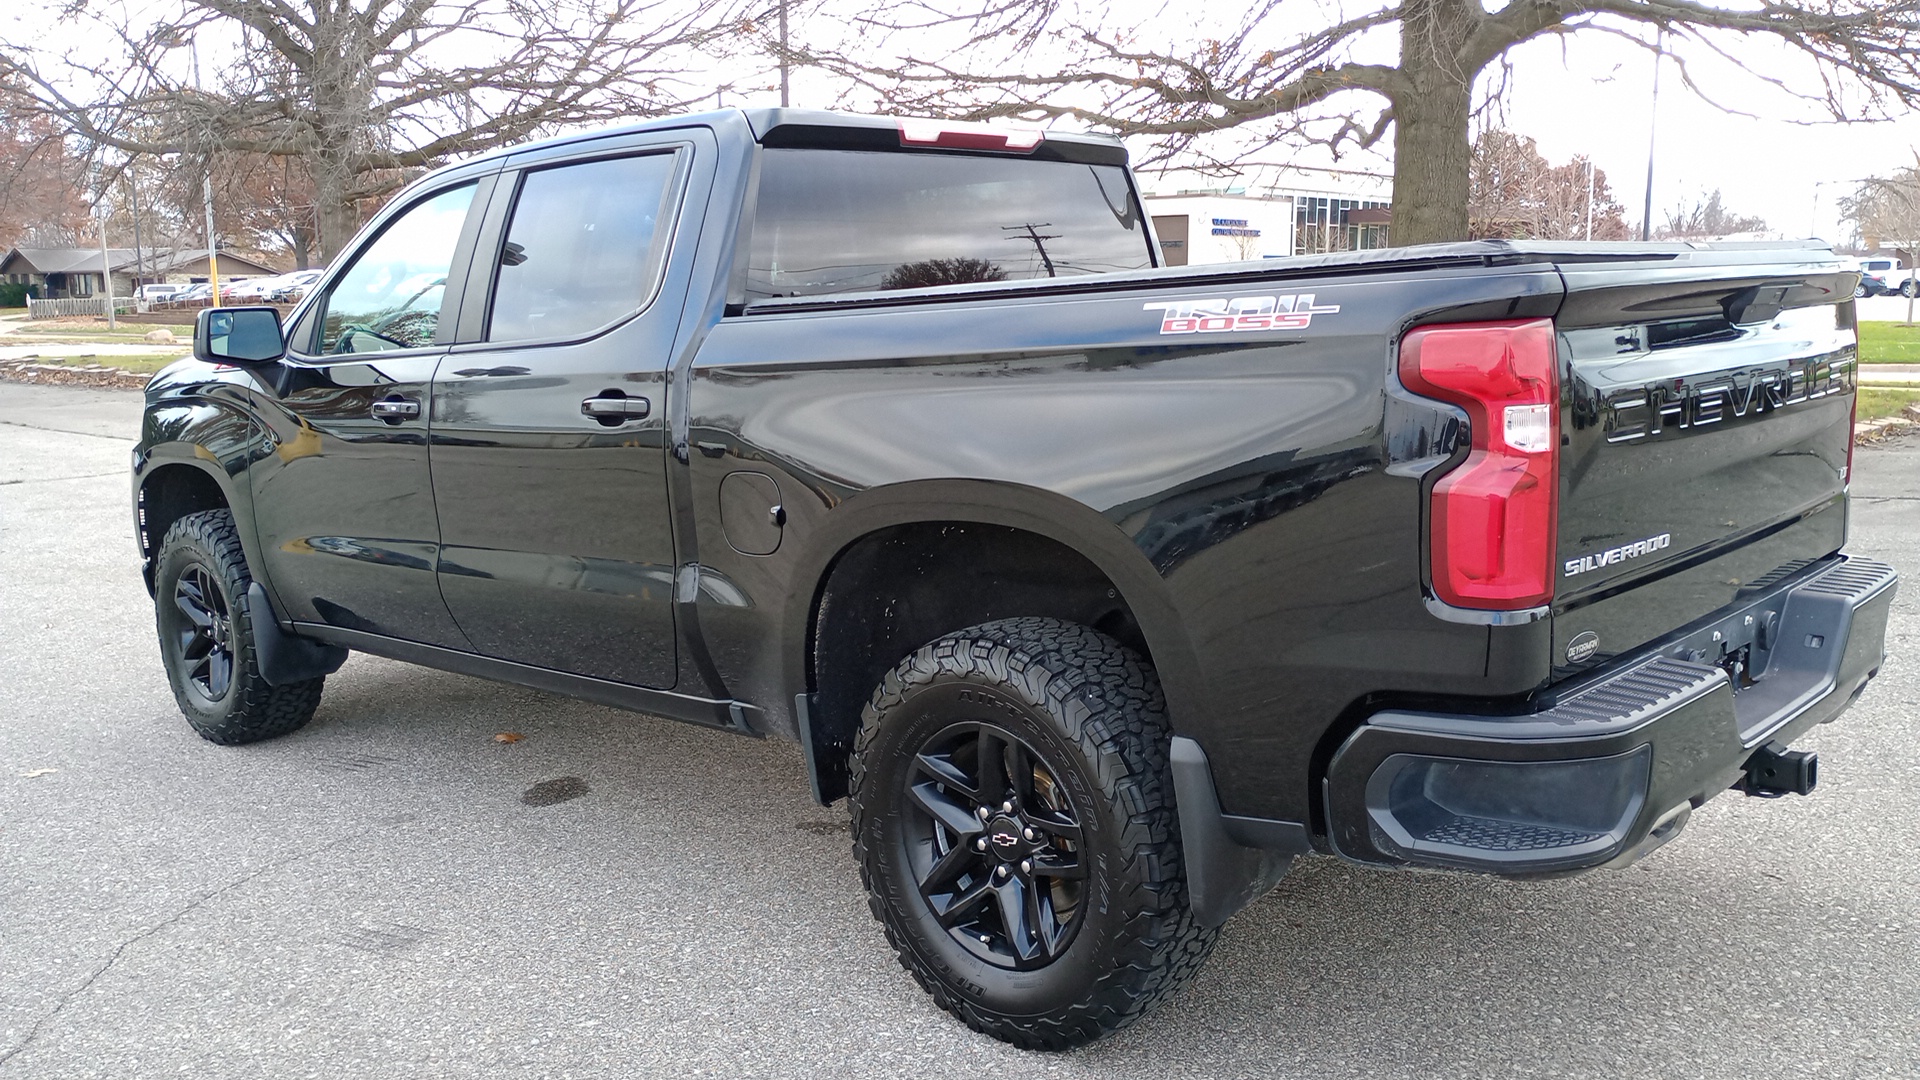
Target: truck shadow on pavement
column 1356, row 971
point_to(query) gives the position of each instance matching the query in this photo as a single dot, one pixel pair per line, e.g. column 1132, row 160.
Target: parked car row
column 1884, row 277
column 274, row 289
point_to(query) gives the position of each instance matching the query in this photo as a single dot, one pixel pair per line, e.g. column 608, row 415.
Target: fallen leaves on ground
column 31, row 773
column 508, row 736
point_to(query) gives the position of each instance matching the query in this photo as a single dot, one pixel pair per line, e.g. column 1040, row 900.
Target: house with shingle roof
column 76, row 272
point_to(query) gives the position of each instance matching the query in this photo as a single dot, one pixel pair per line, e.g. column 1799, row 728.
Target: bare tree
column 1283, row 68
column 960, row 271
column 42, row 199
column 1705, row 217
column 1514, row 193
column 359, row 97
column 1885, row 211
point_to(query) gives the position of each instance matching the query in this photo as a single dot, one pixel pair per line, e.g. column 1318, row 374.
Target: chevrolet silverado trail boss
column 1101, row 591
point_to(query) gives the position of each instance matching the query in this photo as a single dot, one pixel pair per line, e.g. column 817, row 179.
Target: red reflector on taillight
column 956, row 135
column 1494, row 516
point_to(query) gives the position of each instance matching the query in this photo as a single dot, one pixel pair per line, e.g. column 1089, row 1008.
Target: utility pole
column 139, row 257
column 1039, row 240
column 1653, row 117
column 783, row 53
column 213, row 261
column 104, row 211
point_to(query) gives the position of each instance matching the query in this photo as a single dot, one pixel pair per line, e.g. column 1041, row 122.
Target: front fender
column 205, row 427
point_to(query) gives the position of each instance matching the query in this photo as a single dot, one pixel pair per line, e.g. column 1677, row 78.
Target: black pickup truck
column 1101, row 591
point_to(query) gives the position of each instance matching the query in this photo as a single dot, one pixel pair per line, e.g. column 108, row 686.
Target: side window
column 390, row 296
column 582, row 247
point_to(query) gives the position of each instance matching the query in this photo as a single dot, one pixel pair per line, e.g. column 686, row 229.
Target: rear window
column 831, row 221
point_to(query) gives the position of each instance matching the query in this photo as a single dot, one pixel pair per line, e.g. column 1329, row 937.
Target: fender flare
column 1072, row 524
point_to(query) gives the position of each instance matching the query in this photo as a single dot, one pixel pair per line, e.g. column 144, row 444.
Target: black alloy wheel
column 994, row 847
column 204, row 642
column 1013, row 819
column 206, row 628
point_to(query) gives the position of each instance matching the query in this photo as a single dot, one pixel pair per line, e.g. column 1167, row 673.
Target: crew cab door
column 549, row 435
column 343, row 500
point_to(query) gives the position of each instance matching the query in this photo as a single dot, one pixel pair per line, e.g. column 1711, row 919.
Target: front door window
column 390, row 296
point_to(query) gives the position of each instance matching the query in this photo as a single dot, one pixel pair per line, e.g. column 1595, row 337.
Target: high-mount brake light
column 957, row 135
column 1495, row 515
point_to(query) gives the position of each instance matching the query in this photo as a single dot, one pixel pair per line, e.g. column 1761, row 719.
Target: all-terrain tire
column 239, row 707
column 1091, row 713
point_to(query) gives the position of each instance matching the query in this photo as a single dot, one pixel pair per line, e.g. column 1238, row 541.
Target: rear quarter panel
column 1253, row 495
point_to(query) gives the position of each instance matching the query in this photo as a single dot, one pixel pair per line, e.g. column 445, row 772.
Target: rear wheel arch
column 905, row 567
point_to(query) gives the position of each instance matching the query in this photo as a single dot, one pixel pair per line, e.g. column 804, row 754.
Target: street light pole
column 1653, row 119
column 1589, row 198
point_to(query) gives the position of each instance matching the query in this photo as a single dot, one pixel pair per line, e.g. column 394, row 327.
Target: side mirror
column 238, row 335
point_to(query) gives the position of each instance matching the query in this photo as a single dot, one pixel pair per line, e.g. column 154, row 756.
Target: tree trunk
column 1431, row 152
column 333, row 207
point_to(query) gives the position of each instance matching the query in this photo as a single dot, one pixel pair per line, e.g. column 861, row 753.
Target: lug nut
column 1007, row 807
column 980, row 844
column 1000, row 871
column 984, row 813
column 1026, row 866
column 1028, row 833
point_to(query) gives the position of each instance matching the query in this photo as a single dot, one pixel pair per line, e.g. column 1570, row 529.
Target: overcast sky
column 1596, row 99
column 1589, row 93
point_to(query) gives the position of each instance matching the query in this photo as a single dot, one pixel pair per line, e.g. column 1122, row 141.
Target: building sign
column 1232, row 227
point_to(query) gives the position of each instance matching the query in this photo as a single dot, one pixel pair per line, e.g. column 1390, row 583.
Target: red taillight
column 956, row 135
column 1495, row 514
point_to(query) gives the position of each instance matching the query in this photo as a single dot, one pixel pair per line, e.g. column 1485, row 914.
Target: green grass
column 1876, row 403
column 124, row 333
column 1889, row 343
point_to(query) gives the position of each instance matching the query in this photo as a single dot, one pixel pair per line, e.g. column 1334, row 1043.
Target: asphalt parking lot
column 371, row 897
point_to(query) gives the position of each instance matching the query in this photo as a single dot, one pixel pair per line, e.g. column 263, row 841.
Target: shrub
column 15, row 294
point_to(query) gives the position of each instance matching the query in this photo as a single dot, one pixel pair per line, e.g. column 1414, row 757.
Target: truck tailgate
column 1706, row 425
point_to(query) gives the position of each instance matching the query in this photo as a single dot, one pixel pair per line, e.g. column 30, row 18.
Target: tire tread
column 1107, row 700
column 259, row 710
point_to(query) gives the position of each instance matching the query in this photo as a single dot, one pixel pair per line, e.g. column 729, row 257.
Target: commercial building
column 1294, row 210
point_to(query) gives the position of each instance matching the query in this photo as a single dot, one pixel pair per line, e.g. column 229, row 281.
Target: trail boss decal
column 1619, row 554
column 1291, row 312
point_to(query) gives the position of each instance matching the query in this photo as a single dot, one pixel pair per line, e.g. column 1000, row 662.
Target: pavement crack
column 61, row 479
column 141, row 935
column 65, row 431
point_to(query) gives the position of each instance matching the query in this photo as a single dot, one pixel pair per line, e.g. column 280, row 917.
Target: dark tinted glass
column 580, row 250
column 390, row 297
column 832, row 221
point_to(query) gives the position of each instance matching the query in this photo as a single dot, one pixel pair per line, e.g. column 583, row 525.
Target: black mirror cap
column 238, row 335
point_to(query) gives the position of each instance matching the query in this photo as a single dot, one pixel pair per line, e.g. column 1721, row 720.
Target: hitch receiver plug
column 1774, row 770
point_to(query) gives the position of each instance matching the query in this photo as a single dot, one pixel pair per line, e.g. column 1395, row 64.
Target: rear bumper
column 1613, row 765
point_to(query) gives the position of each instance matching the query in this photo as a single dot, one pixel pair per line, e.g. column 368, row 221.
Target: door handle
column 613, row 408
column 395, row 409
